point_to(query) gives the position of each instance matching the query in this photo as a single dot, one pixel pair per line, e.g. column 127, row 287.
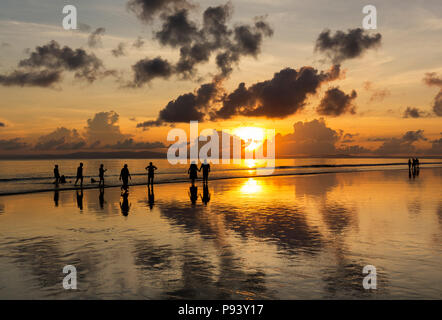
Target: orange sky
column 387, row 79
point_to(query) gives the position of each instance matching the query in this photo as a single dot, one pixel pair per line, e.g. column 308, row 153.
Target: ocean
column 29, row 176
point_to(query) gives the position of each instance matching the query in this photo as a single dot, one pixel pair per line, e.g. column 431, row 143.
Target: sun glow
column 253, row 136
column 251, row 186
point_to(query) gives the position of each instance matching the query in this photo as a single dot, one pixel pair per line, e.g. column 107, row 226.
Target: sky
column 134, row 69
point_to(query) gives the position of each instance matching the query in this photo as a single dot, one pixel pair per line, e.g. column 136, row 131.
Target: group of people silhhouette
column 413, row 167
column 125, row 176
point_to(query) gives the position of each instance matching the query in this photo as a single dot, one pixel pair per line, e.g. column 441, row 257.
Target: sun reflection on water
column 251, row 186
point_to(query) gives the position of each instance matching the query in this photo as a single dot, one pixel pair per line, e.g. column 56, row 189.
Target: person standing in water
column 125, row 176
column 193, row 172
column 206, row 169
column 150, row 173
column 409, row 164
column 80, row 174
column 56, row 174
column 101, row 175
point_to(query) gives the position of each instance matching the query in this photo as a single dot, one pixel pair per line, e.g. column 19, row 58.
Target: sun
column 253, row 136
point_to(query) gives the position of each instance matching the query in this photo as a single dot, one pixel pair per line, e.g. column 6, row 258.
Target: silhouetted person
column 101, row 198
column 125, row 206
column 80, row 199
column 56, row 197
column 151, row 197
column 125, row 176
column 193, row 172
column 206, row 169
column 150, row 173
column 205, row 198
column 56, row 174
column 193, row 194
column 80, row 174
column 409, row 164
column 101, row 172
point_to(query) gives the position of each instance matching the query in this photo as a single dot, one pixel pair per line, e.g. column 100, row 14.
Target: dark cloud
column 139, row 43
column 413, row 136
column 437, row 106
column 432, row 79
column 60, row 139
column 285, row 94
column 177, row 30
column 119, row 50
column 412, row 112
column 314, row 138
column 131, row 144
column 45, row 64
column 147, row 69
column 336, row 102
column 44, row 78
column 346, row 45
column 197, row 44
column 436, row 146
column 191, row 106
column 12, row 144
column 403, row 145
column 94, row 39
column 147, row 10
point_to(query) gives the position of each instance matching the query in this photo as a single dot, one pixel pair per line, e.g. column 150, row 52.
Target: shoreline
column 94, row 187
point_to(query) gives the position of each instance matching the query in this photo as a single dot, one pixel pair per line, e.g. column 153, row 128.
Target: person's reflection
column 193, row 194
column 409, row 173
column 151, row 196
column 101, row 198
column 124, row 205
column 80, row 198
column 56, row 197
column 205, row 198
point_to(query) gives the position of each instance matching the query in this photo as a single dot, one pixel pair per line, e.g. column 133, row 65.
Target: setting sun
column 253, row 136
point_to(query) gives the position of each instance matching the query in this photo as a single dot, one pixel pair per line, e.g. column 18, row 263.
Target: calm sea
column 37, row 175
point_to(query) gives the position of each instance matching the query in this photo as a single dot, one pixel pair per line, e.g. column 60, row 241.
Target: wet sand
column 294, row 237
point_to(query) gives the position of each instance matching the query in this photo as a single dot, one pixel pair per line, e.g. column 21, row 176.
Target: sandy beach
column 294, row 237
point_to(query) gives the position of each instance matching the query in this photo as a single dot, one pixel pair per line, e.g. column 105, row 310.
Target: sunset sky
column 384, row 97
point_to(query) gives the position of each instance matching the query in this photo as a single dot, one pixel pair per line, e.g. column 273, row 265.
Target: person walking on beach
column 150, row 173
column 193, row 172
column 125, row 176
column 206, row 169
column 56, row 174
column 409, row 164
column 101, row 175
column 80, row 174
